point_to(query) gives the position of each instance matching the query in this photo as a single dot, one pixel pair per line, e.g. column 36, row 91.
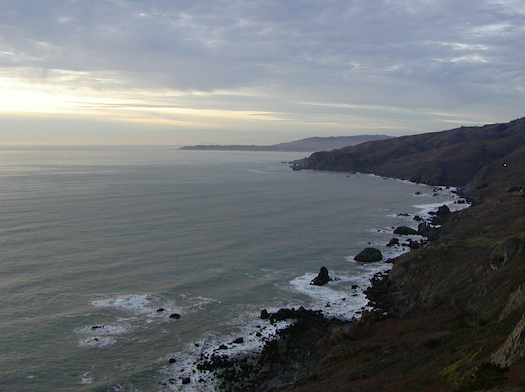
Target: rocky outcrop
column 321, row 279
column 514, row 347
column 503, row 253
column 369, row 255
column 405, row 230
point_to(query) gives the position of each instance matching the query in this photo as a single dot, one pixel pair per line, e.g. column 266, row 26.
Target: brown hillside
column 449, row 316
column 441, row 158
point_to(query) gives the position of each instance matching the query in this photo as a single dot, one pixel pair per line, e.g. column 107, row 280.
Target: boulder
column 405, row 230
column 238, row 341
column 393, row 241
column 369, row 255
column 321, row 279
column 441, row 215
column 426, row 230
column 175, row 316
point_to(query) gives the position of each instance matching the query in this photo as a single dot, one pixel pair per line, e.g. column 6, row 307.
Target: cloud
column 431, row 55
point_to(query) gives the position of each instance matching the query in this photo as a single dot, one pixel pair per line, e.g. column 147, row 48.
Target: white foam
column 86, row 379
column 134, row 303
column 343, row 297
column 97, row 342
column 254, row 332
column 105, row 330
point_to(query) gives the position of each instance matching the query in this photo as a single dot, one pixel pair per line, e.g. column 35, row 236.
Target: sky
column 182, row 72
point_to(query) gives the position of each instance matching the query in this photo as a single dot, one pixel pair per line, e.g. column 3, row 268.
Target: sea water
column 100, row 245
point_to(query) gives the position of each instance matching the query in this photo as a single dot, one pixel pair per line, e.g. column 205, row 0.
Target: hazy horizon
column 135, row 72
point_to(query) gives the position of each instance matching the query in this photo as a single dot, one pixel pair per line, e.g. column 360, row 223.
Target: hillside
column 303, row 145
column 449, row 316
column 440, row 158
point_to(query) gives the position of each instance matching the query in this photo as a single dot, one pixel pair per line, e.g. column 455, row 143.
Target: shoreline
column 289, row 352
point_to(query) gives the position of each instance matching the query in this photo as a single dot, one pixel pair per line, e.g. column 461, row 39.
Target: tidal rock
column 440, row 215
column 172, row 360
column 405, row 230
column 186, row 380
column 264, row 314
column 321, row 279
column 369, row 255
column 393, row 241
column 175, row 316
column 238, row 341
column 426, row 230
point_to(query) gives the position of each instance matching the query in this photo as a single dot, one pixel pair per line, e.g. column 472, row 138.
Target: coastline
column 446, row 317
column 290, row 344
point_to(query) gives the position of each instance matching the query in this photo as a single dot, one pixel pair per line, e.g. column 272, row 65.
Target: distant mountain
column 305, row 145
column 450, row 157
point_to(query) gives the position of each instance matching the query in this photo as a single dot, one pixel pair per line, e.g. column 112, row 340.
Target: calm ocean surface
column 93, row 241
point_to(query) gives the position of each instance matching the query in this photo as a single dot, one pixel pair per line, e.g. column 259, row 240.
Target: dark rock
column 223, row 347
column 443, row 211
column 405, row 230
column 321, row 279
column 94, row 327
column 172, row 360
column 428, row 231
column 441, row 215
column 264, row 314
column 393, row 241
column 369, row 255
column 238, row 341
column 175, row 316
column 160, row 310
column 186, row 380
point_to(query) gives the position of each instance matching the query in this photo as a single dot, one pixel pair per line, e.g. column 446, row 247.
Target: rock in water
column 405, row 230
column 322, row 278
column 369, row 255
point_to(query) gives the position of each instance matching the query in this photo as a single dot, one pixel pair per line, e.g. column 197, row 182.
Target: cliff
column 450, row 157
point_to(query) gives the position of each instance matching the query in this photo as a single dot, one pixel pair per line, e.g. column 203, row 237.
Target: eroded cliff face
column 449, row 316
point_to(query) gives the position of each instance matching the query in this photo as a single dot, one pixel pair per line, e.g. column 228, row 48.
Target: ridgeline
column 451, row 157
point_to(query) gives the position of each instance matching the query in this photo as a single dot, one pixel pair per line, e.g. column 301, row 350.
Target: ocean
column 100, row 245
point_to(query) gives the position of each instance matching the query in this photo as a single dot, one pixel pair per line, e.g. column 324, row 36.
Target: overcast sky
column 255, row 72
